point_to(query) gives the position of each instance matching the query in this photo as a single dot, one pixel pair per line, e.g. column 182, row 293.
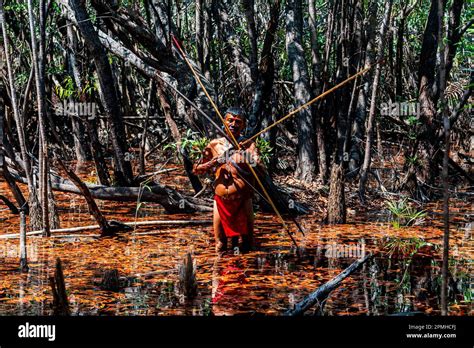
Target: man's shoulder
column 216, row 141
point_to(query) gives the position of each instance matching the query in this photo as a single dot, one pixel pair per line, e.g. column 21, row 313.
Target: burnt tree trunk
column 358, row 127
column 442, row 73
column 404, row 13
column 20, row 199
column 426, row 75
column 249, row 12
column 87, row 124
column 143, row 141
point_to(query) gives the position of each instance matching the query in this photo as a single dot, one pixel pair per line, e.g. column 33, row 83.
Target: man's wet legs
column 248, row 242
column 219, row 235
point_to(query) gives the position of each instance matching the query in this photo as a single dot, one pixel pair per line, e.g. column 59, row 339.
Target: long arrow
column 307, row 104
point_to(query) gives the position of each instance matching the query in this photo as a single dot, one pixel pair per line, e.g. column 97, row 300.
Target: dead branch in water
column 324, row 290
column 60, row 300
column 130, row 224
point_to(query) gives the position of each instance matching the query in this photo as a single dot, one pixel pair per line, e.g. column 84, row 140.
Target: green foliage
column 172, row 149
column 66, row 90
column 55, row 7
column 264, row 149
column 194, row 144
column 90, row 86
column 21, row 79
column 16, row 7
column 404, row 214
column 413, row 160
column 413, row 120
column 191, row 142
column 405, row 246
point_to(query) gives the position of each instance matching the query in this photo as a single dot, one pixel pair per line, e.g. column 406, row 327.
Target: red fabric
column 233, row 217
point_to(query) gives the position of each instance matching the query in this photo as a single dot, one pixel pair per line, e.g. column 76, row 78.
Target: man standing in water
column 233, row 209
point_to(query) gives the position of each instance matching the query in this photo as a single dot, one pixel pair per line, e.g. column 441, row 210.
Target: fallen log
column 130, row 224
column 171, row 200
column 10, row 205
column 67, row 236
column 324, row 290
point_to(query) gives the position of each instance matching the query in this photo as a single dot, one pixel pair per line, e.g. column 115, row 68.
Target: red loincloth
column 233, row 216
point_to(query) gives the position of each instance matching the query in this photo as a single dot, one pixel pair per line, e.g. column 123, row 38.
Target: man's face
column 235, row 123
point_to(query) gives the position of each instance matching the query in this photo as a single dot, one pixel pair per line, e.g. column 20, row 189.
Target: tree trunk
column 336, row 200
column 20, row 199
column 58, row 287
column 78, row 129
column 426, row 75
column 141, row 156
column 199, row 28
column 305, row 165
column 33, row 203
column 49, row 214
column 358, row 127
column 375, row 85
column 122, row 168
column 249, row 12
column 404, row 13
column 206, row 47
column 445, row 175
column 23, row 249
column 263, row 88
column 233, row 49
column 453, row 38
column 170, row 199
column 316, row 86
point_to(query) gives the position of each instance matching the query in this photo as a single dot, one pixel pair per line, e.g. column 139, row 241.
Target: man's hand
column 212, row 163
column 205, row 167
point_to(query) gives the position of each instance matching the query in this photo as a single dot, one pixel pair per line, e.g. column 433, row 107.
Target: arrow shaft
column 307, row 104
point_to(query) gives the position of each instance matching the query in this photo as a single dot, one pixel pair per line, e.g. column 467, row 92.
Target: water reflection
column 404, row 277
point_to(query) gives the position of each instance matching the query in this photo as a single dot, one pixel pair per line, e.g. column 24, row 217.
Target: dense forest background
column 102, row 81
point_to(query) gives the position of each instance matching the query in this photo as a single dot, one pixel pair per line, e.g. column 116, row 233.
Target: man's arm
column 253, row 156
column 206, row 163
